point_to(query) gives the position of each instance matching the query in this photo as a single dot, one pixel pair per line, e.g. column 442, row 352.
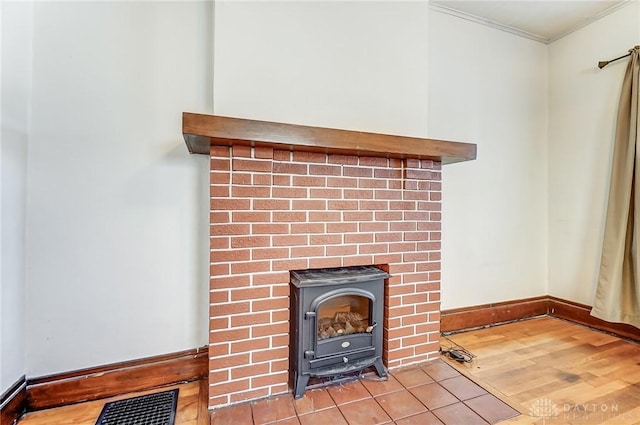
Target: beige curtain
column 618, row 291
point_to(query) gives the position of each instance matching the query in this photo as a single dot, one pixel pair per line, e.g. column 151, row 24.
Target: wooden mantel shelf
column 202, row 131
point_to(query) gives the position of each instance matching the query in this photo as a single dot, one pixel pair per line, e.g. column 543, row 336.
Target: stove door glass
column 344, row 315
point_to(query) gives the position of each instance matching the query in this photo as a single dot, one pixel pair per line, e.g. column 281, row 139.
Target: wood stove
column 336, row 322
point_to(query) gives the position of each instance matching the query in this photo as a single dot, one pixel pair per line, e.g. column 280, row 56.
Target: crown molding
column 521, row 33
column 487, row 22
column 591, row 20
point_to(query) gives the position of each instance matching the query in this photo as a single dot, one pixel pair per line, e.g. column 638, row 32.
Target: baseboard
column 120, row 378
column 460, row 319
column 490, row 314
column 13, row 403
column 580, row 313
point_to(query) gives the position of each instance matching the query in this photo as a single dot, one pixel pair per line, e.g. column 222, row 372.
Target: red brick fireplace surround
column 287, row 197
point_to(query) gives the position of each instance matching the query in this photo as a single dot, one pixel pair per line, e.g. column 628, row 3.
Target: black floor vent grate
column 151, row 409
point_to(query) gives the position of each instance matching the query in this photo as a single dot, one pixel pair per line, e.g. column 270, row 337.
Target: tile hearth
column 425, row 394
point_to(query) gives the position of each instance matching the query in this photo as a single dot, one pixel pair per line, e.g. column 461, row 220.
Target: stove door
column 344, row 322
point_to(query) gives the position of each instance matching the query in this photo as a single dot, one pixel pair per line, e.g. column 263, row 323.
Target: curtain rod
column 602, row 64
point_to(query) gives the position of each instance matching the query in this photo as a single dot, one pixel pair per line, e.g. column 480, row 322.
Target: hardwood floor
column 192, row 408
column 552, row 371
column 555, row 371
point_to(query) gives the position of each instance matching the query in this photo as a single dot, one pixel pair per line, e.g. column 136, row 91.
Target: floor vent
column 150, row 409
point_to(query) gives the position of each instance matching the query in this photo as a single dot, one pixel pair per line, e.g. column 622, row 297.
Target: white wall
column 117, row 246
column 16, row 35
column 351, row 65
column 389, row 67
column 490, row 87
column 582, row 108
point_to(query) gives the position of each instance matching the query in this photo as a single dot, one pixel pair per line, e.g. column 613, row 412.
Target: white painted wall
column 351, row 65
column 583, row 105
column 117, row 247
column 490, row 87
column 389, row 67
column 16, row 26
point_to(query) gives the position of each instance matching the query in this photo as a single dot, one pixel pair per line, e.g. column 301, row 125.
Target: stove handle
column 309, row 354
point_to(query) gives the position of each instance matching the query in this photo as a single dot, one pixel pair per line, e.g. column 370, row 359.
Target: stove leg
column 301, row 382
column 380, row 368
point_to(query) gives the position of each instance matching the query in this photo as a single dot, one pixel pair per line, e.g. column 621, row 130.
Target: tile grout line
column 403, row 387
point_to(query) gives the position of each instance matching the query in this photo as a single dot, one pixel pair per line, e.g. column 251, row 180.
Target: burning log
column 343, row 323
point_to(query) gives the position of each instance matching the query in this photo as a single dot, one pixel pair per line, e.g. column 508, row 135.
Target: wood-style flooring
column 552, row 371
column 191, row 409
column 556, row 372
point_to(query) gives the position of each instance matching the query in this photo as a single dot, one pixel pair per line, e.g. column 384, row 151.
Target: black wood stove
column 336, row 322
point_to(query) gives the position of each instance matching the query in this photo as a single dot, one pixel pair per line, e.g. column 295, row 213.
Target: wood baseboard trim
column 460, row 319
column 119, row 378
column 581, row 313
column 490, row 314
column 13, row 403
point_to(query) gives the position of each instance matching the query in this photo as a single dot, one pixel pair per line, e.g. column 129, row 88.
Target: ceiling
column 540, row 20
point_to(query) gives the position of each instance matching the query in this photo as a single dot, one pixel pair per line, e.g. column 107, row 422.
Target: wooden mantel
column 202, row 131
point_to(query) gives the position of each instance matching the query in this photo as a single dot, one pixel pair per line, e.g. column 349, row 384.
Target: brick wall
column 273, row 211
